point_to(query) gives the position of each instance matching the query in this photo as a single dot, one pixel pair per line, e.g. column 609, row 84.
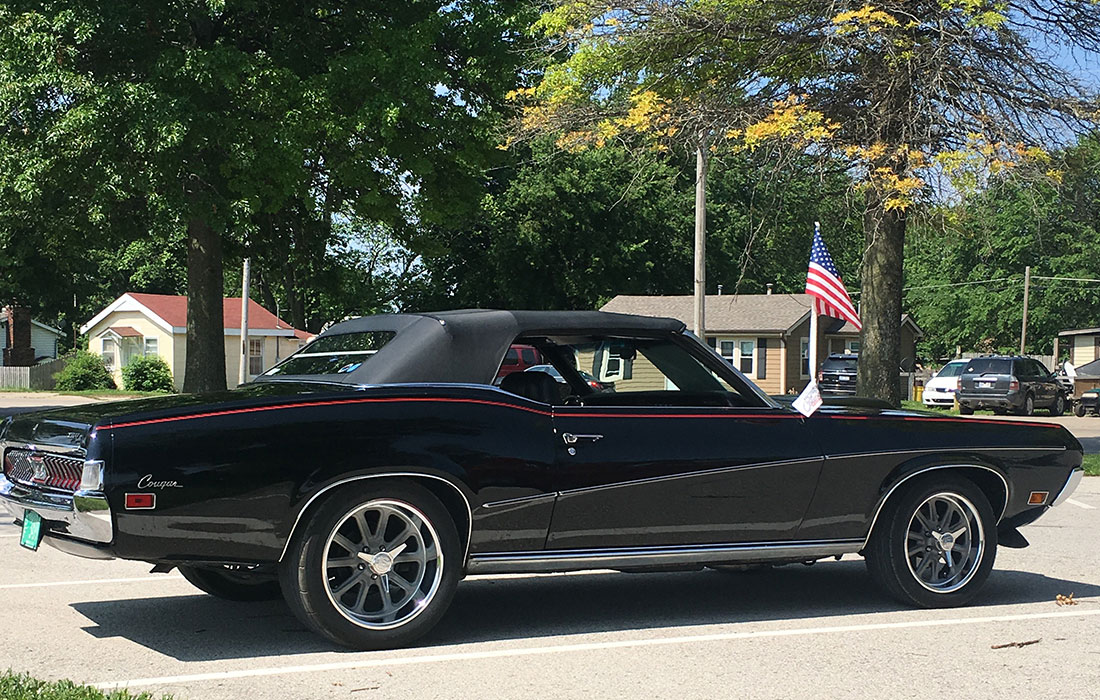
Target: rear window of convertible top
column 333, row 354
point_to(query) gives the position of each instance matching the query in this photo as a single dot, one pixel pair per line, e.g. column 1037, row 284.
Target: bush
column 148, row 373
column 84, row 371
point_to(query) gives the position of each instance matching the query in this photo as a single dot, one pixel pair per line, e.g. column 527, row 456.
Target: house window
column 740, row 353
column 108, row 352
column 150, row 347
column 804, row 359
column 255, row 356
column 851, row 347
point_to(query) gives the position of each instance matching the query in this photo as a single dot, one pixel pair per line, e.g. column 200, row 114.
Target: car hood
column 942, row 383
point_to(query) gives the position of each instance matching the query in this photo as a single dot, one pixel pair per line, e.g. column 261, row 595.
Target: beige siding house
column 156, row 324
column 766, row 336
column 1082, row 345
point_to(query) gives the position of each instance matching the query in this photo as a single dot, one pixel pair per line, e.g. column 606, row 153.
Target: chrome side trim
column 884, row 499
column 521, row 499
column 578, row 559
column 854, row 455
column 1071, row 485
column 314, row 497
column 689, row 475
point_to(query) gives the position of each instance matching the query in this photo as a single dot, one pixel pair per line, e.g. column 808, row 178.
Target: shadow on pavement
column 202, row 628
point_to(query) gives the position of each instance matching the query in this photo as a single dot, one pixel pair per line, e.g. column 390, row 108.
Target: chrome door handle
column 571, row 439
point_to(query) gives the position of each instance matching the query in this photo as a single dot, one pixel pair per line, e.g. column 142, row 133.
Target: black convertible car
column 364, row 476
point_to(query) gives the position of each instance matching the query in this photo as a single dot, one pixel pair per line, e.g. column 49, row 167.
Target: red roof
column 173, row 309
column 125, row 331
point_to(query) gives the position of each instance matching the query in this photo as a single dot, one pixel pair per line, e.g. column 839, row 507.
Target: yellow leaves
column 520, row 93
column 790, row 119
column 980, row 13
column 1056, row 175
column 645, row 113
column 868, row 18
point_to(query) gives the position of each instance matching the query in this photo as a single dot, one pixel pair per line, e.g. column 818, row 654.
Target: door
column 668, row 452
column 631, row 476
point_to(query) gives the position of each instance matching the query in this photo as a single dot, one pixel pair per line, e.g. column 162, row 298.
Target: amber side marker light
column 1037, row 498
column 141, row 501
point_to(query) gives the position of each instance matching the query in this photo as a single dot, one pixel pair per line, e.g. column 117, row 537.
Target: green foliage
column 15, row 686
column 84, row 371
column 147, row 373
column 570, row 230
column 1055, row 230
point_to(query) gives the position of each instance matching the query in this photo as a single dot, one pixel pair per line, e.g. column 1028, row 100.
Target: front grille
column 33, row 468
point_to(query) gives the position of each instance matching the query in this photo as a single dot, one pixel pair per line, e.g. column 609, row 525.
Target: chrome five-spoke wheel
column 375, row 565
column 934, row 542
column 382, row 564
column 945, row 542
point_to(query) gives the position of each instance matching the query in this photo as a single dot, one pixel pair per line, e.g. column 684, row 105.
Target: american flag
column 823, row 283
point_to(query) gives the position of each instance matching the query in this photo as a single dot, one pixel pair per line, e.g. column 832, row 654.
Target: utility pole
column 1027, row 291
column 243, row 374
column 700, row 238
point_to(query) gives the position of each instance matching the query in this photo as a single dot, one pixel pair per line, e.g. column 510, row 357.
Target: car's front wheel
column 373, row 569
column 1079, row 409
column 934, row 545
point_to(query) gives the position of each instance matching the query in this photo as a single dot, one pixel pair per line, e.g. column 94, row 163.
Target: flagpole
column 813, row 325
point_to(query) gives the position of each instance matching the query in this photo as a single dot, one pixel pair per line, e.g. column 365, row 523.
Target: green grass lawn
column 1092, row 465
column 16, row 686
column 94, row 393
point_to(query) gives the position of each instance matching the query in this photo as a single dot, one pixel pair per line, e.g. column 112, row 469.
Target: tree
column 216, row 118
column 570, row 230
column 965, row 262
column 900, row 90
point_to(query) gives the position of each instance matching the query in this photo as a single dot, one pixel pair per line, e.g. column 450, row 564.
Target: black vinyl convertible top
column 467, row 346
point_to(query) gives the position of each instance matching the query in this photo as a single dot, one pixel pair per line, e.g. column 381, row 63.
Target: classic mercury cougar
column 364, row 476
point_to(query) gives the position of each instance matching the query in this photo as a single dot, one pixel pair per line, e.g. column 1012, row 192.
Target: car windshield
column 951, row 369
column 988, row 365
column 839, row 364
column 333, row 354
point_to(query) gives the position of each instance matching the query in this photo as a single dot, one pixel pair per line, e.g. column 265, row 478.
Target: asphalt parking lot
column 796, row 631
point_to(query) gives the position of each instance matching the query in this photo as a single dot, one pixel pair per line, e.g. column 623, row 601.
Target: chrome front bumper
column 1071, row 485
column 83, row 515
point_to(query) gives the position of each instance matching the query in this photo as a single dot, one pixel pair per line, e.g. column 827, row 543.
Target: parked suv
column 1004, row 384
column 837, row 376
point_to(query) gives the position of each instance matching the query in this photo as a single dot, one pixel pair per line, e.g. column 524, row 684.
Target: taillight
column 1013, row 384
column 595, row 385
column 958, row 383
column 820, row 375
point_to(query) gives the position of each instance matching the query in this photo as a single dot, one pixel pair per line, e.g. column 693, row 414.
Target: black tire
column 900, row 570
column 1059, row 406
column 965, row 410
column 1079, row 409
column 307, row 571
column 1028, row 407
column 1000, row 411
column 233, row 584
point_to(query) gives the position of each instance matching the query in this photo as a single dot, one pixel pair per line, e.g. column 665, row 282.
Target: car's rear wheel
column 934, row 545
column 374, row 570
column 1028, row 406
column 233, row 582
column 1059, row 406
column 965, row 410
column 1079, row 409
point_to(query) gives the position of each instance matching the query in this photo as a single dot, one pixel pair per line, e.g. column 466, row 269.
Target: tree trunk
column 205, row 365
column 880, row 301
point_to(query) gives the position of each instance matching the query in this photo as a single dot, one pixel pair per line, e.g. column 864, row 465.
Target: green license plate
column 32, row 530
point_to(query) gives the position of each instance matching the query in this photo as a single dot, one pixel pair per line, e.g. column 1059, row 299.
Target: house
column 1083, row 346
column 156, row 324
column 766, row 336
column 43, row 338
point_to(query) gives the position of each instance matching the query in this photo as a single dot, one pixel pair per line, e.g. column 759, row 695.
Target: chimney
column 770, row 285
column 19, row 352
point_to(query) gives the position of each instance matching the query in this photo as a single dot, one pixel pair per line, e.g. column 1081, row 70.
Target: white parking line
column 1079, row 504
column 571, row 648
column 50, row 584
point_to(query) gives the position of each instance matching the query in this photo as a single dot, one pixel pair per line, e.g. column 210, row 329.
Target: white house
column 44, row 338
column 156, row 324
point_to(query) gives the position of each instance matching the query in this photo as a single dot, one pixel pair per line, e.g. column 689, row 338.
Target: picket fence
column 37, row 377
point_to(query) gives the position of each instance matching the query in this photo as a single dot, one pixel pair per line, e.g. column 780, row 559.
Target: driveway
column 1085, row 429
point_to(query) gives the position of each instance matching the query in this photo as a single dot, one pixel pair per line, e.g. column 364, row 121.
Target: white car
column 940, row 389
